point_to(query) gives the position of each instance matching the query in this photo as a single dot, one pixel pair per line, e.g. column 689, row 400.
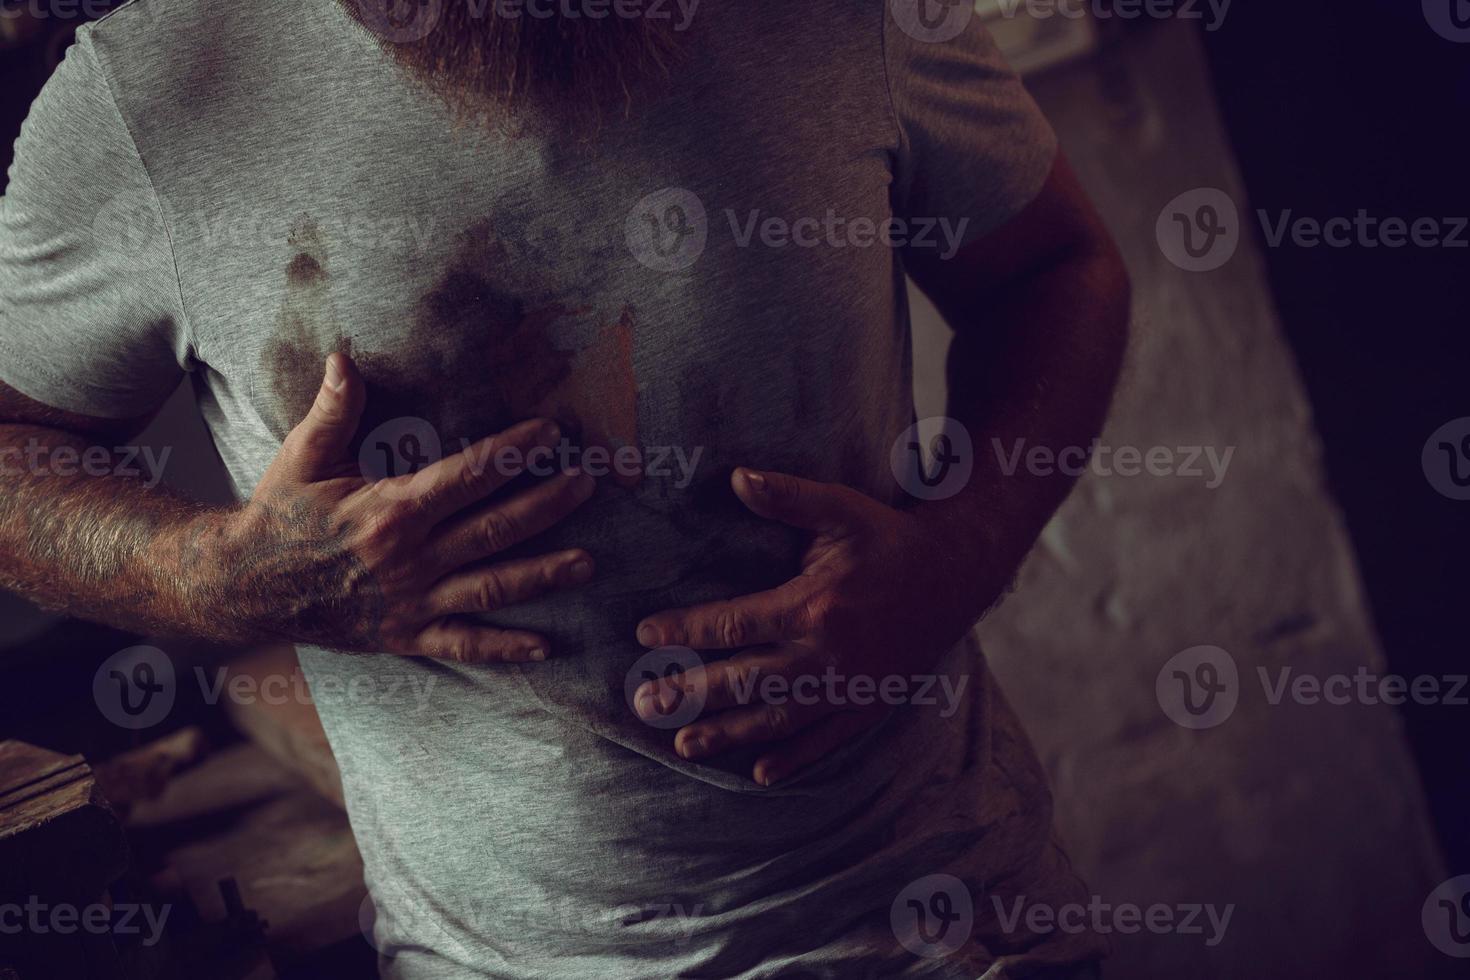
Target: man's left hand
column 881, row 596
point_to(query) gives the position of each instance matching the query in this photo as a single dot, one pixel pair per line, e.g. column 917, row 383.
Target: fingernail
column 756, row 481
column 537, row 654
column 550, row 432
column 694, row 746
column 579, row 571
column 647, row 635
column 335, row 379
column 645, row 705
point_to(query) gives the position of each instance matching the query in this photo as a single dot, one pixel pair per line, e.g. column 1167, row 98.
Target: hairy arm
column 319, row 554
column 96, row 541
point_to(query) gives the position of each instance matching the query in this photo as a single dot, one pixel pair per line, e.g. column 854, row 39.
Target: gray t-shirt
column 231, row 191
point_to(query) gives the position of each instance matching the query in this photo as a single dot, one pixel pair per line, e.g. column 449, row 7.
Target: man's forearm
column 1039, row 371
column 107, row 547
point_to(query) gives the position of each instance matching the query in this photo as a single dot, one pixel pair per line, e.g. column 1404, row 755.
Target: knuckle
column 470, row 476
column 497, row 530
column 327, row 408
column 733, row 627
column 490, row 592
column 302, row 443
column 378, row 526
column 776, row 719
column 817, row 613
column 459, row 650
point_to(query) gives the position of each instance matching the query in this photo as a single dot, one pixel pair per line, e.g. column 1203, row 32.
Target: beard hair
column 522, row 71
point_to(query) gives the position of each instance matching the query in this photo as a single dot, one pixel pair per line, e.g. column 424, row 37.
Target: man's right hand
column 323, row 555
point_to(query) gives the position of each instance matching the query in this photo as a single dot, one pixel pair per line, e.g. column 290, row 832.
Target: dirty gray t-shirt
column 225, row 192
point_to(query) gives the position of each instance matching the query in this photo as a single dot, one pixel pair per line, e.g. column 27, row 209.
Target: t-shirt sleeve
column 973, row 146
column 90, row 311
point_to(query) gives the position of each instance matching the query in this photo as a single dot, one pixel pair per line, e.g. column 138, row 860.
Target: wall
column 1308, row 818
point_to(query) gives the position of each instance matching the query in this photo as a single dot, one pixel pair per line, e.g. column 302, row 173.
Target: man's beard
column 498, row 61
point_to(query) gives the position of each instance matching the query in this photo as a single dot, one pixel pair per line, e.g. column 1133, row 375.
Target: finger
column 455, row 482
column 811, row 745
column 317, row 447
column 749, row 725
column 467, row 642
column 822, row 507
column 498, row 526
column 719, row 686
column 775, row 616
column 495, row 587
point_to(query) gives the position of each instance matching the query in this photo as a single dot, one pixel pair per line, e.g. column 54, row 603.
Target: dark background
column 1330, row 109
column 1334, row 107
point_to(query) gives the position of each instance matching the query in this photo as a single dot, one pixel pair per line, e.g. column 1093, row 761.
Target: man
column 408, row 256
